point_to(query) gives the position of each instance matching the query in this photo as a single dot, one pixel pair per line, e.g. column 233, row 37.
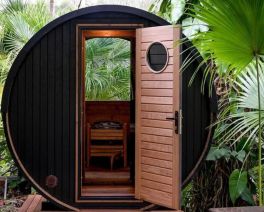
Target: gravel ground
column 12, row 205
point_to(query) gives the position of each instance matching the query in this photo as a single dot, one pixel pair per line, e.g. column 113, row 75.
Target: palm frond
column 107, row 69
column 235, row 33
column 241, row 116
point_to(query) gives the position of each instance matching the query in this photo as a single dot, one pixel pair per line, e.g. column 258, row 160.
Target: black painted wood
column 40, row 100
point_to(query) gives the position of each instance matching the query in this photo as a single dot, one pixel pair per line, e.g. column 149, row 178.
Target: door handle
column 176, row 121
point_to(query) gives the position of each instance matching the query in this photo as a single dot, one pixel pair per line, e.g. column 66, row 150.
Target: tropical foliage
column 107, row 75
column 229, row 35
column 234, row 45
column 19, row 21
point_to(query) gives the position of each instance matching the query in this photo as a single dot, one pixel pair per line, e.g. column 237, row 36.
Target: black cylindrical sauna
column 42, row 104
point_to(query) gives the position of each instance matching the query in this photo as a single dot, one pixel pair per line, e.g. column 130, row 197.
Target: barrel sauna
column 162, row 132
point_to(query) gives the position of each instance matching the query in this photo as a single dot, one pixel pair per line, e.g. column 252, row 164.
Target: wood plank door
column 157, row 110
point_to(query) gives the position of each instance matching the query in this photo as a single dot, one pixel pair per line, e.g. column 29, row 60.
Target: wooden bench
column 107, row 150
column 112, row 155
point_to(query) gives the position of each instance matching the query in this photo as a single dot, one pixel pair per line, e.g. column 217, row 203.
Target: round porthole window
column 157, row 57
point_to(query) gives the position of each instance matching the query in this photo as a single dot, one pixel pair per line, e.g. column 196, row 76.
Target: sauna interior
column 109, row 136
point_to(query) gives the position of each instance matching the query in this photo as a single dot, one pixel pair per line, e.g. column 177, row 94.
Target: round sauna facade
column 46, row 116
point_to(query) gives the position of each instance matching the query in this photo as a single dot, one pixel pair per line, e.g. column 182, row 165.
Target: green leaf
column 247, row 196
column 237, row 184
column 243, row 144
column 177, row 9
column 241, row 155
column 216, row 153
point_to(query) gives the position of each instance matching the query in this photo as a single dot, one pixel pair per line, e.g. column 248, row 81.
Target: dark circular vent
column 51, row 181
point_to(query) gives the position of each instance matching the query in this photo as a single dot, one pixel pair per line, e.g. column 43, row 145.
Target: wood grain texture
column 170, row 62
column 157, row 147
column 156, row 100
column 168, row 69
column 157, row 170
column 157, row 84
column 154, row 77
column 157, row 92
column 33, row 203
column 138, row 115
column 157, row 107
column 167, row 44
column 156, row 123
column 158, row 176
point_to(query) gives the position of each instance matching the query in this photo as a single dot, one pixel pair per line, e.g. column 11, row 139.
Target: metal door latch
column 177, row 121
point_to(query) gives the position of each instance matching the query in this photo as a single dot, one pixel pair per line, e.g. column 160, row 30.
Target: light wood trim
column 77, row 121
column 138, row 115
column 83, row 131
column 177, row 138
column 77, row 115
column 111, row 25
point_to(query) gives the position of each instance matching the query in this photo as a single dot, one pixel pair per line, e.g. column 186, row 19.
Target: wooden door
column 157, row 111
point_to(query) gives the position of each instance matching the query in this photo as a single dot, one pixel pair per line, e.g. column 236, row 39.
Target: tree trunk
column 52, row 7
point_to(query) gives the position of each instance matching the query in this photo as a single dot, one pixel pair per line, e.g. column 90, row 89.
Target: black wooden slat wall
column 42, row 106
column 58, row 107
column 72, row 105
column 196, row 115
column 51, row 98
column 42, row 111
column 35, row 111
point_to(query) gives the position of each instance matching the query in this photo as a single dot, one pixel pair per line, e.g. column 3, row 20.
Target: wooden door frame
column 82, row 31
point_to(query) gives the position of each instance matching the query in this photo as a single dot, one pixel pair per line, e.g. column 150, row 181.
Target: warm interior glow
column 108, row 33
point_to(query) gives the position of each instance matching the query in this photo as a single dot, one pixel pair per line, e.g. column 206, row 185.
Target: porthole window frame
column 146, row 58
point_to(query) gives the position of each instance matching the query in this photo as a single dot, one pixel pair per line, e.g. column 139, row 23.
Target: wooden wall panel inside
column 107, row 111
